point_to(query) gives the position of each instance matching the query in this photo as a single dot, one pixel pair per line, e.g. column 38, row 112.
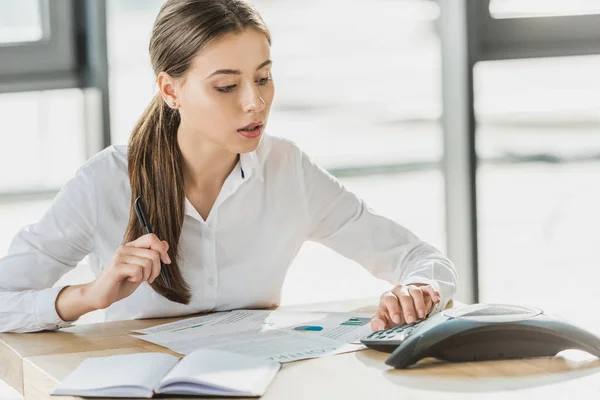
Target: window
column 43, row 139
column 20, row 22
column 357, row 97
column 542, row 8
column 37, row 45
column 539, row 152
column 131, row 80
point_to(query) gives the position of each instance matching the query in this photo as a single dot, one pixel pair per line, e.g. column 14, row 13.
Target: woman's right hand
column 132, row 264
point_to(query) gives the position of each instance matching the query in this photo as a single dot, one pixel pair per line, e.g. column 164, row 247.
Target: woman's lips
column 253, row 134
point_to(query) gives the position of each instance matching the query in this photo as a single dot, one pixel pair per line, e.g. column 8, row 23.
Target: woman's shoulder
column 105, row 170
column 277, row 149
column 112, row 159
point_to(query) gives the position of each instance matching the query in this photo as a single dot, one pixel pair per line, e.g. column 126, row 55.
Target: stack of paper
column 276, row 335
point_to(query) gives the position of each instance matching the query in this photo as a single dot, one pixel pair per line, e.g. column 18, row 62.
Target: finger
column 145, row 253
column 378, row 322
column 406, row 302
column 147, row 265
column 418, row 301
column 151, row 241
column 389, row 302
column 131, row 272
column 428, row 303
column 432, row 292
column 387, row 319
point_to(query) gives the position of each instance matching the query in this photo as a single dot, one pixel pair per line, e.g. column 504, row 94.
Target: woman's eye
column 263, row 81
column 226, row 89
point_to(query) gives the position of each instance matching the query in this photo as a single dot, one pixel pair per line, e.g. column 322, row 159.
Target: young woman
column 229, row 205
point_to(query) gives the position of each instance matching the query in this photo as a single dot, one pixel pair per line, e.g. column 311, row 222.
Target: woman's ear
column 168, row 89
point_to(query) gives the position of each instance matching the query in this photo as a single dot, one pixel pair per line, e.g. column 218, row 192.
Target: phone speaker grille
column 403, row 357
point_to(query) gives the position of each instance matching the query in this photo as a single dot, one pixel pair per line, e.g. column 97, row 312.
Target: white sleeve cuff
column 45, row 309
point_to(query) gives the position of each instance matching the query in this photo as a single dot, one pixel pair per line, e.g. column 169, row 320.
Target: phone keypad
column 396, row 333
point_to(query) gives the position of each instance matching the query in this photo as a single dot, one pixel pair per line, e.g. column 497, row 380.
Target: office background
column 474, row 123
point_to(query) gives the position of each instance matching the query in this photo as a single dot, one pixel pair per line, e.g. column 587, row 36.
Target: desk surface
column 34, row 363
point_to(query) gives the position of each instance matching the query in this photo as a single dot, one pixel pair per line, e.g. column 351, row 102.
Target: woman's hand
column 132, row 264
column 404, row 305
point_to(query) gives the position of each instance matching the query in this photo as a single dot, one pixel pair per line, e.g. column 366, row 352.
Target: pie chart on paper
column 309, row 328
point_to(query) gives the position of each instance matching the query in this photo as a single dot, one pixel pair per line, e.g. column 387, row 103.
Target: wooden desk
column 34, row 363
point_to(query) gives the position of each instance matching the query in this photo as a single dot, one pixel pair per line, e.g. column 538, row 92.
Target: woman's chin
column 249, row 143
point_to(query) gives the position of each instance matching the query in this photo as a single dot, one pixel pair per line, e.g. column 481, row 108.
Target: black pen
column 140, row 211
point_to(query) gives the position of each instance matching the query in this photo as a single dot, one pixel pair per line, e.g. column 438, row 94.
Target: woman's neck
column 206, row 165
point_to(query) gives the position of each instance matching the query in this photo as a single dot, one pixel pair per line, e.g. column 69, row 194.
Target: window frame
column 531, row 37
column 50, row 63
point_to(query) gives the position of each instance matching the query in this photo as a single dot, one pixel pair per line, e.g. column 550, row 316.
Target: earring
column 174, row 104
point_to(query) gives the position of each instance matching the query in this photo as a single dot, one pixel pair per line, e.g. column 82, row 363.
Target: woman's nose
column 253, row 101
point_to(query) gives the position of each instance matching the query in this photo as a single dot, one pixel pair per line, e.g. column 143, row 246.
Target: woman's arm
column 340, row 220
column 43, row 252
column 73, row 301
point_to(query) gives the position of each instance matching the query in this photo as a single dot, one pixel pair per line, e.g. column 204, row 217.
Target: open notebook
column 202, row 372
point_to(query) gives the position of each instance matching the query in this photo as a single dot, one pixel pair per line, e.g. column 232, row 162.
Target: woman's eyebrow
column 237, row 71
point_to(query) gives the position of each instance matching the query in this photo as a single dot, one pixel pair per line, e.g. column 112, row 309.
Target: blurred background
column 474, row 123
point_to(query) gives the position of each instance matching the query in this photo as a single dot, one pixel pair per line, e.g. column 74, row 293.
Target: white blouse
column 274, row 199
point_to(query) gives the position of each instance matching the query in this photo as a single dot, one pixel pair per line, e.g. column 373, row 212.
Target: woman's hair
column 182, row 28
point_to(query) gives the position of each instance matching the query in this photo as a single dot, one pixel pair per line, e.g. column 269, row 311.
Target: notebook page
column 219, row 369
column 142, row 370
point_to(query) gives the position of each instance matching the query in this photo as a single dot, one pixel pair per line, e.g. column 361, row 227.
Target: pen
column 145, row 224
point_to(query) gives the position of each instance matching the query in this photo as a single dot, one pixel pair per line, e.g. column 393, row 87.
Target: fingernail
column 411, row 319
column 396, row 319
column 421, row 314
column 168, row 260
column 381, row 326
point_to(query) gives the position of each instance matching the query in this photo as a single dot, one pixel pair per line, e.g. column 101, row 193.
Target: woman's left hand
column 404, row 304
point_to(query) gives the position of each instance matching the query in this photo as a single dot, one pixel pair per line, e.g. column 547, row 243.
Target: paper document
column 183, row 324
column 277, row 335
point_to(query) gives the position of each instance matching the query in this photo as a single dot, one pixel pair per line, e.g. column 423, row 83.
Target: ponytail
column 155, row 166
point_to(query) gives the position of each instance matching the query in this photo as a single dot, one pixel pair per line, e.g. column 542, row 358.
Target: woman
column 229, row 205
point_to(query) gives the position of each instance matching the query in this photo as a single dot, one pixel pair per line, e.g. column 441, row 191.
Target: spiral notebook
column 203, row 372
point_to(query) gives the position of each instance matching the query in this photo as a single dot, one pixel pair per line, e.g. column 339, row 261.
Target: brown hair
column 182, row 28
